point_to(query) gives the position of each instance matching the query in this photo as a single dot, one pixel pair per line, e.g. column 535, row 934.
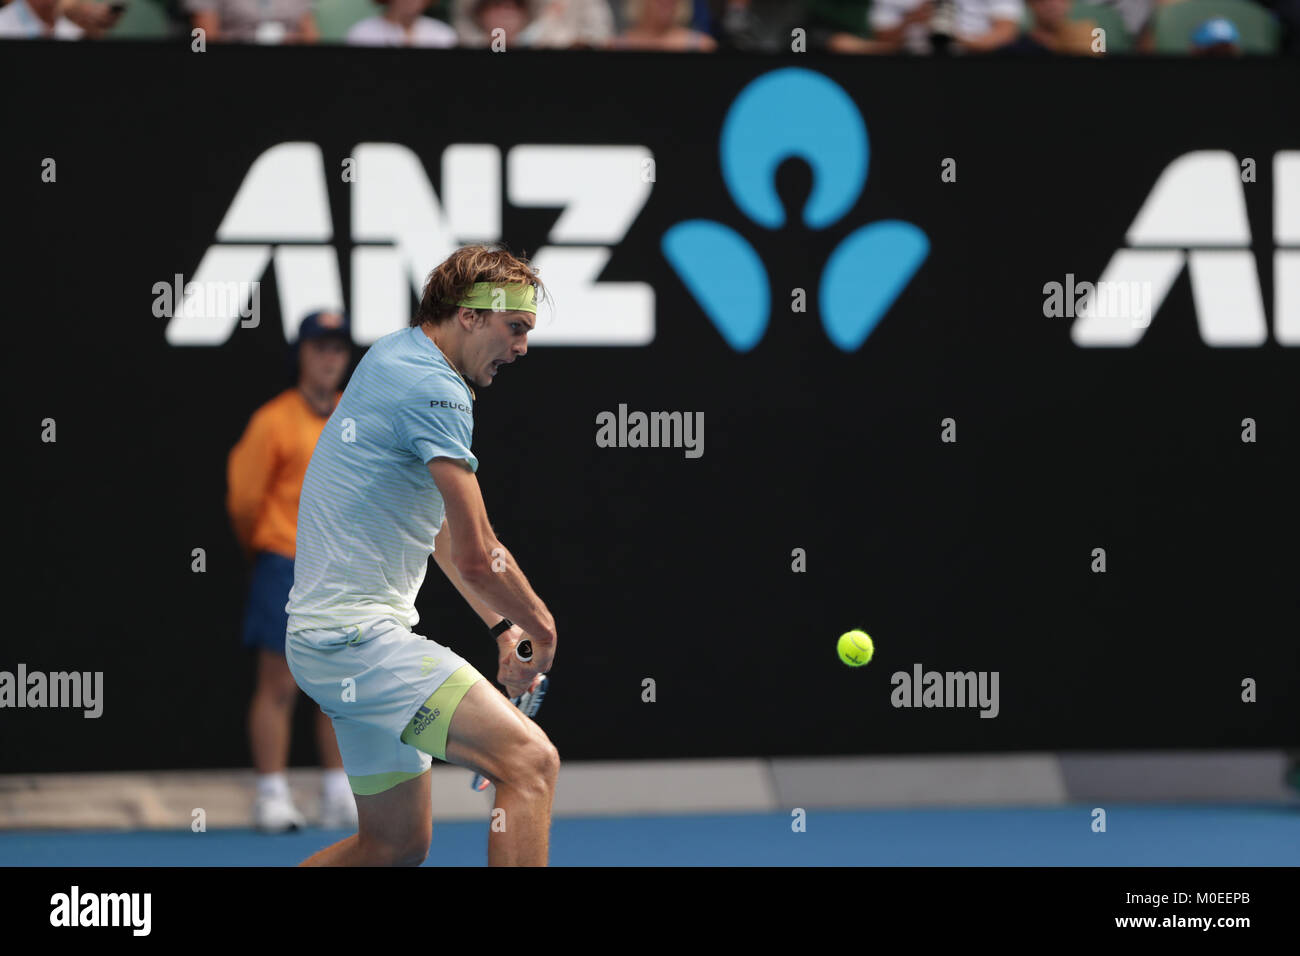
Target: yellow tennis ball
column 855, row 648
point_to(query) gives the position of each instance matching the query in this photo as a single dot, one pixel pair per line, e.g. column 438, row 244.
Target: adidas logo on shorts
column 424, row 717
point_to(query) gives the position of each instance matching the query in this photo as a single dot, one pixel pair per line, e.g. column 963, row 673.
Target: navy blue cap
column 325, row 323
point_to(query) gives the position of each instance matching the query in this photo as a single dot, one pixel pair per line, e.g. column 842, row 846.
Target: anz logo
column 794, row 113
column 1195, row 219
column 401, row 229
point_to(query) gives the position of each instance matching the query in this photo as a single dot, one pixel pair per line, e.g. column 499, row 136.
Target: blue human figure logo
column 794, row 113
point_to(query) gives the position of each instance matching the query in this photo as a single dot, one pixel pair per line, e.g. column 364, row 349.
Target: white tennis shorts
column 371, row 679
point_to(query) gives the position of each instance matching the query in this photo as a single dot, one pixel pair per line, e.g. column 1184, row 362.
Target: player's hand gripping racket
column 529, row 701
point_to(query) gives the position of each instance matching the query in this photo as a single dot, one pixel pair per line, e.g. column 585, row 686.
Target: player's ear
column 471, row 319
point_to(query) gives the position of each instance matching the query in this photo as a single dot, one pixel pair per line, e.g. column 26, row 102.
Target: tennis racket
column 529, row 702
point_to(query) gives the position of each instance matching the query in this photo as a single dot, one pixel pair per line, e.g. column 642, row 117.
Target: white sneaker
column 338, row 811
column 275, row 813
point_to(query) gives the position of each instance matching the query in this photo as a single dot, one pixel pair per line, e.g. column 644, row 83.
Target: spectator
column 661, row 25
column 982, row 26
column 1053, row 32
column 93, row 17
column 265, row 473
column 902, row 25
column 476, row 21
column 871, row 26
column 401, row 24
column 37, row 19
column 758, row 25
column 842, row 26
column 1217, row 37
column 570, row 24
column 255, row 21
column 1136, row 14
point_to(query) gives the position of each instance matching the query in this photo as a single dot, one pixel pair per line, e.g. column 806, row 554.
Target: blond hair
column 451, row 280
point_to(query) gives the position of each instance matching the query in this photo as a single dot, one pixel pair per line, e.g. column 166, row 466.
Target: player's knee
column 536, row 765
column 410, row 850
column 415, row 849
column 413, row 855
column 551, row 764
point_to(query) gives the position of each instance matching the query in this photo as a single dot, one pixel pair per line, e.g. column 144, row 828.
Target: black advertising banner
column 993, row 360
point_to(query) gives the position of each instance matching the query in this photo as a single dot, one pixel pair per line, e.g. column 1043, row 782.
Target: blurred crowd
column 921, row 27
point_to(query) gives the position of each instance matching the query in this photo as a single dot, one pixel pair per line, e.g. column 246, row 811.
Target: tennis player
column 391, row 481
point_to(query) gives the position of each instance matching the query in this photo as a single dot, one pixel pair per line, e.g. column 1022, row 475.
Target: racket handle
column 524, row 650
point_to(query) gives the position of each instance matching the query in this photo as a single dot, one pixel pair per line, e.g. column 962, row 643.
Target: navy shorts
column 265, row 619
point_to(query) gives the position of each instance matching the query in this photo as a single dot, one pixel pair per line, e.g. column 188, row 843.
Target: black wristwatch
column 501, row 627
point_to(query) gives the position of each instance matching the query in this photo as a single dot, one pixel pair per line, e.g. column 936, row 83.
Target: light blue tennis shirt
column 369, row 508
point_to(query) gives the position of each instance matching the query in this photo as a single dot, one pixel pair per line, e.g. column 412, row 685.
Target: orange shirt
column 265, row 471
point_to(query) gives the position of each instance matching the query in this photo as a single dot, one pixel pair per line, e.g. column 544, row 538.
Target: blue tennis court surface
column 1057, row 836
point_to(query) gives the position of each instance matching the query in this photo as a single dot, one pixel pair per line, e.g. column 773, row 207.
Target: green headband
column 501, row 298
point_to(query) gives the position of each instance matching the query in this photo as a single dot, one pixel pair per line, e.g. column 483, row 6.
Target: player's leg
column 362, row 677
column 488, row 735
column 395, row 827
column 463, row 720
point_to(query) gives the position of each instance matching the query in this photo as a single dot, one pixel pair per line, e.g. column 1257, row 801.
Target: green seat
column 1175, row 24
column 143, row 19
column 336, row 17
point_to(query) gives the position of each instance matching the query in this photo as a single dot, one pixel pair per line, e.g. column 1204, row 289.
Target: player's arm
column 442, row 554
column 502, row 588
